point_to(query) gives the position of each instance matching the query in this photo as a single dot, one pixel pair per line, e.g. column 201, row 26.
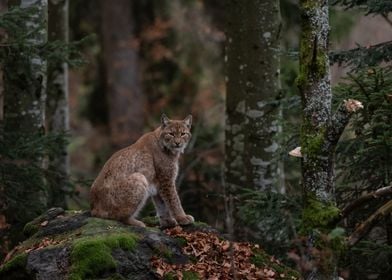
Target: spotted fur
column 148, row 168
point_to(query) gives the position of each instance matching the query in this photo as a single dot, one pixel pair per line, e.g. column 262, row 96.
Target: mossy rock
column 76, row 246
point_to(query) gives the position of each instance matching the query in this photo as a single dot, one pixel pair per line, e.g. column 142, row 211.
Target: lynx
column 148, row 168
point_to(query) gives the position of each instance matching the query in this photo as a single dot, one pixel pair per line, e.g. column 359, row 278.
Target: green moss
column 190, row 275
column 96, row 226
column 318, row 215
column 30, row 229
column 321, row 64
column 187, row 275
column 310, row 66
column 169, row 276
column 181, row 241
column 201, row 224
column 164, row 252
column 151, row 221
column 262, row 260
column 259, row 259
column 312, row 140
column 91, row 256
column 16, row 263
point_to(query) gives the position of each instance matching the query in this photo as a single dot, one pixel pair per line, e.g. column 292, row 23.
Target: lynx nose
column 177, row 143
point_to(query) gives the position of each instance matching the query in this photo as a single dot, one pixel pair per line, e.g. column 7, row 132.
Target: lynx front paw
column 167, row 223
column 185, row 220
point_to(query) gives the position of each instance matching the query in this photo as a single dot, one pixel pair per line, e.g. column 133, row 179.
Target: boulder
column 73, row 245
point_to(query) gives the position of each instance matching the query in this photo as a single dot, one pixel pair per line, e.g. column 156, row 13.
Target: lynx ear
column 188, row 121
column 164, row 120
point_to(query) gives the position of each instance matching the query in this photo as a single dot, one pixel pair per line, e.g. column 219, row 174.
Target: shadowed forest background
column 130, row 61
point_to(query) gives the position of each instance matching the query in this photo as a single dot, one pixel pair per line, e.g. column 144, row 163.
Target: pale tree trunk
column 252, row 65
column 320, row 130
column 125, row 98
column 24, row 106
column 24, row 110
column 57, row 116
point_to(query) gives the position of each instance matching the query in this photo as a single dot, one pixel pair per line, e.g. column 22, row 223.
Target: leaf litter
column 213, row 258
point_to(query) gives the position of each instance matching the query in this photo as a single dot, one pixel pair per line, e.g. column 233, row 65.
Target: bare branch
column 367, row 225
column 360, row 201
column 341, row 118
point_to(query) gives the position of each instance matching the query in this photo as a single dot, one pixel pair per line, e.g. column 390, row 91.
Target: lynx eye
column 183, row 134
column 171, row 134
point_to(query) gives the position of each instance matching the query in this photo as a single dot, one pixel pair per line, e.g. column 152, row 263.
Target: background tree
column 25, row 194
column 57, row 115
column 122, row 73
column 252, row 67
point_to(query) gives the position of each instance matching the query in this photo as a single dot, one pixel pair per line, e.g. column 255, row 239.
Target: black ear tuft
column 164, row 120
column 188, row 121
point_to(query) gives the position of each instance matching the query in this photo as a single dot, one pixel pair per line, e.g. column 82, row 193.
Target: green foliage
column 364, row 160
column 365, row 154
column 363, row 56
column 382, row 7
column 19, row 174
column 91, row 256
column 273, row 217
column 369, row 258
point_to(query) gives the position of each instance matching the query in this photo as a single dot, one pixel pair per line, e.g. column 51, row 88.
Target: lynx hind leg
column 132, row 195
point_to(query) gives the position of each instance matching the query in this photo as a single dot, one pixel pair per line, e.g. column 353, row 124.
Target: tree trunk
column 252, row 65
column 126, row 102
column 320, row 130
column 57, row 116
column 24, row 97
column 24, row 78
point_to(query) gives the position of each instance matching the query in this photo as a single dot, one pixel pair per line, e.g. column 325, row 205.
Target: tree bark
column 252, row 65
column 57, row 114
column 320, row 130
column 24, row 99
column 24, row 117
column 125, row 98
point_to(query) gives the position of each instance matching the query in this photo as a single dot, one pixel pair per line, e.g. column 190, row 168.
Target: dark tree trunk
column 57, row 116
column 23, row 190
column 252, row 65
column 125, row 98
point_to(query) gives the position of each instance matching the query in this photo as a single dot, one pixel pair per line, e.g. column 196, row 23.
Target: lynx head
column 175, row 134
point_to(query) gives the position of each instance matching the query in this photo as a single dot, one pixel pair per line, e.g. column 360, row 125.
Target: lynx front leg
column 165, row 218
column 170, row 197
